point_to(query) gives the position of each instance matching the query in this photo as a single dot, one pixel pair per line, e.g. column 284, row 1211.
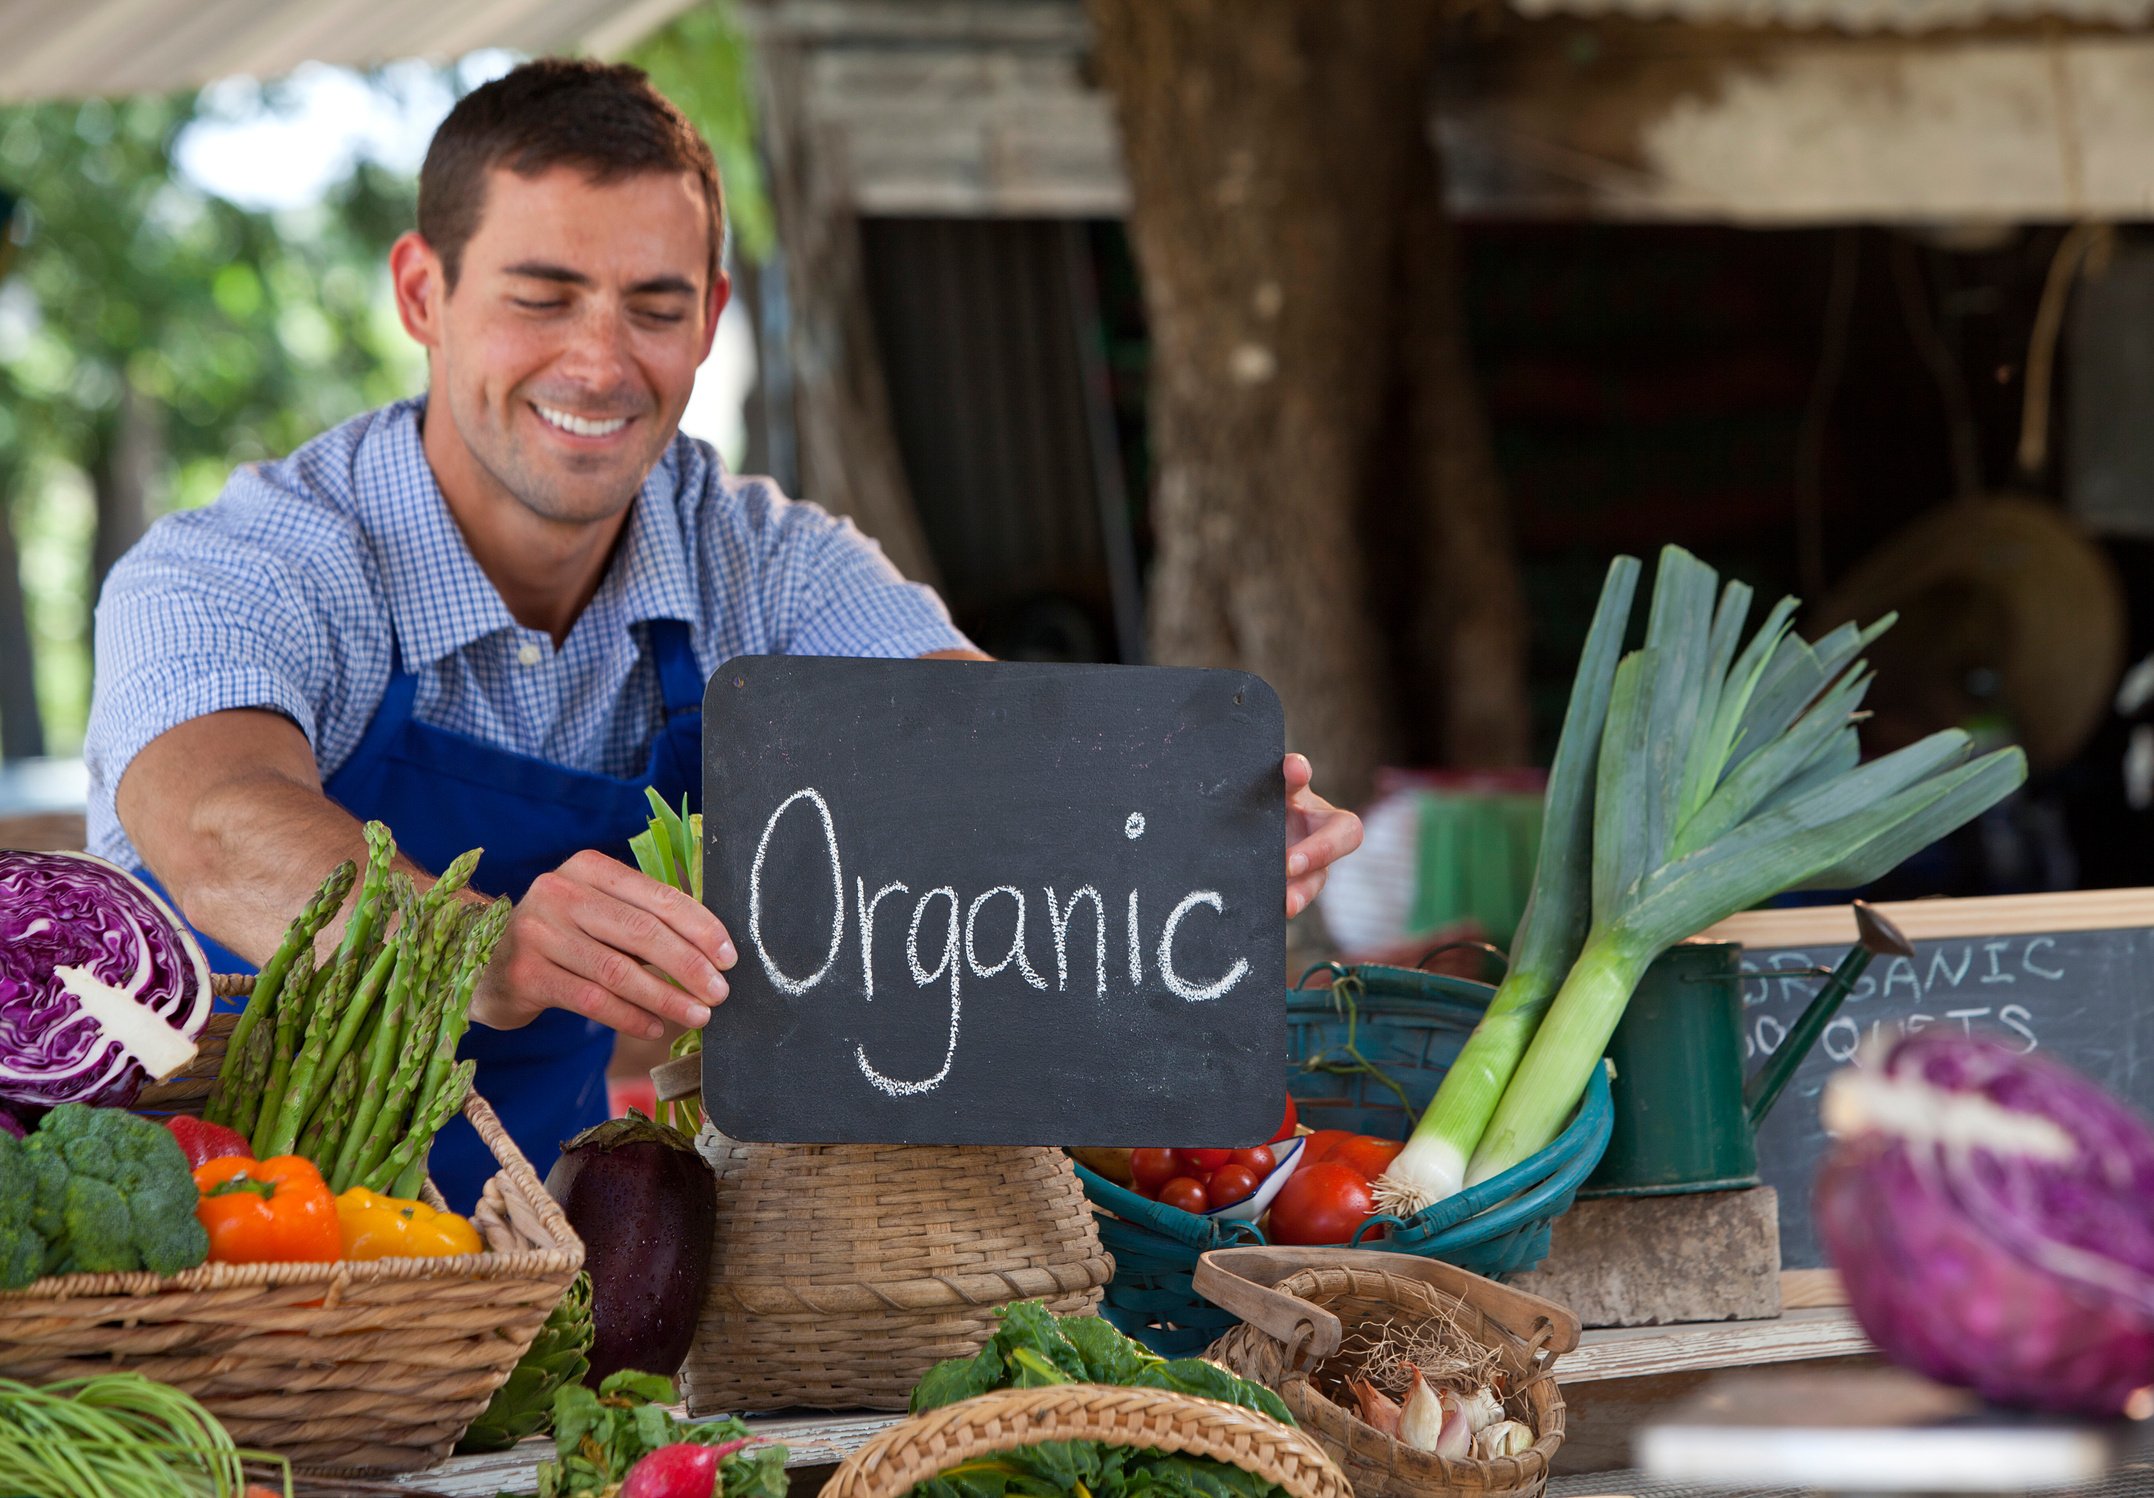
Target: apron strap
column 679, row 677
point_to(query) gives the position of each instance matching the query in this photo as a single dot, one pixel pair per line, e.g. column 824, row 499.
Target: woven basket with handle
column 367, row 1366
column 841, row 1273
column 914, row 1450
column 1299, row 1305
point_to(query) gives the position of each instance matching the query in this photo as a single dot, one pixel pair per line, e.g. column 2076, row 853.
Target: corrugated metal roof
column 1903, row 16
column 62, row 49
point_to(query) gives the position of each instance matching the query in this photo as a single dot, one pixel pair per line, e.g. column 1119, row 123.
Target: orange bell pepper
column 267, row 1211
column 389, row 1227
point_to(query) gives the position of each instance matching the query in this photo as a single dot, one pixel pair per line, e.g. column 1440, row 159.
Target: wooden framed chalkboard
column 995, row 903
column 2072, row 974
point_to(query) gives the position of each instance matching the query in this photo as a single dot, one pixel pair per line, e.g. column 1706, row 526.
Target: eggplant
column 646, row 1206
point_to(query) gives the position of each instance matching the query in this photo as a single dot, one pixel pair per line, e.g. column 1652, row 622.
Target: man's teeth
column 578, row 425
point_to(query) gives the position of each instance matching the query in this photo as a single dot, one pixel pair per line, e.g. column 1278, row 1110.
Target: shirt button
column 528, row 654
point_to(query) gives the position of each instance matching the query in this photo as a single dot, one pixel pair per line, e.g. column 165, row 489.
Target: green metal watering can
column 1685, row 1117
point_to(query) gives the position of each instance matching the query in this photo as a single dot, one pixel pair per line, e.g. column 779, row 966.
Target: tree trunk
column 1326, row 511
column 22, row 725
column 1265, row 163
column 1467, row 627
column 849, row 459
column 122, row 475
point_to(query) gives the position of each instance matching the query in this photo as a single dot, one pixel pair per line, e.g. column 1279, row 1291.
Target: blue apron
column 441, row 793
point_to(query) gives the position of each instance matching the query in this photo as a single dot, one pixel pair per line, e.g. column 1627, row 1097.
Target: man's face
column 566, row 353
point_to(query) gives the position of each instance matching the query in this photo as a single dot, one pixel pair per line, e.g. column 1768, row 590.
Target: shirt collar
column 441, row 600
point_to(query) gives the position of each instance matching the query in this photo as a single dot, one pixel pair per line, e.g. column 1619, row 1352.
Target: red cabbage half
column 101, row 985
column 1992, row 1216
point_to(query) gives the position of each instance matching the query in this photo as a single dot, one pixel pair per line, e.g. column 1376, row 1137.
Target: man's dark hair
column 603, row 119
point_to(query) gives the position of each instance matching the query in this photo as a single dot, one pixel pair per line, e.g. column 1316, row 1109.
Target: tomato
column 1230, row 1184
column 1204, row 1161
column 1152, row 1169
column 1290, row 1123
column 1365, row 1153
column 1321, row 1203
column 1184, row 1192
column 1257, row 1158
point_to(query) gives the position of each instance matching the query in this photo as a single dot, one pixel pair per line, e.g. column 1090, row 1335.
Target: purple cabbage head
column 1992, row 1217
column 101, row 985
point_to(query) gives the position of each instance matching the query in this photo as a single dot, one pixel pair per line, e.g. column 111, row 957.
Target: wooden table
column 1610, row 1379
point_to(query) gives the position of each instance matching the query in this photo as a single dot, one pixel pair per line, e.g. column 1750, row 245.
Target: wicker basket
column 841, row 1273
column 1298, row 1305
column 368, row 1366
column 914, row 1450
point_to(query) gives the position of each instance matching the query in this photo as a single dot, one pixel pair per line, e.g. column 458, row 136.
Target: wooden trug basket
column 1299, row 1304
column 365, row 1366
column 1152, row 1419
column 841, row 1273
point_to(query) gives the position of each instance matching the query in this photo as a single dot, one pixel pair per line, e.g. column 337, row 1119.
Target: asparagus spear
column 334, row 1027
column 337, row 1103
column 239, row 1099
column 401, row 1098
column 411, row 1150
column 298, row 937
column 382, row 1048
column 477, row 950
column 367, row 915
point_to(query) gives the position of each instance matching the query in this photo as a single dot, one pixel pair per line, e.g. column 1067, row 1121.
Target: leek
column 1550, row 933
column 1725, row 778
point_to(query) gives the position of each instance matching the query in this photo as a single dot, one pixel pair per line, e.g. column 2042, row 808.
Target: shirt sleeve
column 194, row 620
column 842, row 596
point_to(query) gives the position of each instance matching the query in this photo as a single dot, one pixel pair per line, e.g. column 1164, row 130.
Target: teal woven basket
column 1412, row 1025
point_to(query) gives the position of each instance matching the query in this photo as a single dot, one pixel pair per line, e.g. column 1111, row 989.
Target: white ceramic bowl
column 1287, row 1152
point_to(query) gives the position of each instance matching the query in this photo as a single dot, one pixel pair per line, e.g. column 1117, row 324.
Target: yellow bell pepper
column 389, row 1227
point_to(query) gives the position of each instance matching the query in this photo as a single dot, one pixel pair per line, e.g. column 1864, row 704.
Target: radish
column 679, row 1471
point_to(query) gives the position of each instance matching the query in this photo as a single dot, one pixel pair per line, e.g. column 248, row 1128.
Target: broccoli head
column 100, row 1191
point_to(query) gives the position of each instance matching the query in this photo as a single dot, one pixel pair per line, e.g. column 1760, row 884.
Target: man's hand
column 592, row 937
column 1318, row 835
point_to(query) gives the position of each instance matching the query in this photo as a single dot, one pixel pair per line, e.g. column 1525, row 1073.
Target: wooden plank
column 962, row 110
column 1936, row 920
column 1648, row 1351
column 1811, row 1289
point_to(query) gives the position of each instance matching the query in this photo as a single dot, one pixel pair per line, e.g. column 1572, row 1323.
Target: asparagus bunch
column 349, row 1057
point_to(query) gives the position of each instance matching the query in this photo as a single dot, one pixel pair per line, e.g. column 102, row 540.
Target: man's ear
column 415, row 272
column 721, row 293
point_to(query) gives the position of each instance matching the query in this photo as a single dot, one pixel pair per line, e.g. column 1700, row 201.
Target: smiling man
column 485, row 615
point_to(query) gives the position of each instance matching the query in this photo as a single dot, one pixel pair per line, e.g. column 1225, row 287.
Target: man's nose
column 597, row 351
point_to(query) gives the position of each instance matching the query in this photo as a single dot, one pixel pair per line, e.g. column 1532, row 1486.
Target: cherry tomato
column 1365, row 1153
column 1228, row 1185
column 1321, row 1203
column 1183, row 1192
column 1290, row 1123
column 1152, row 1169
column 1205, row 1160
column 1258, row 1158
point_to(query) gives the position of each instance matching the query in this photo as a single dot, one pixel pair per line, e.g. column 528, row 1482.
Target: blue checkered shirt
column 286, row 593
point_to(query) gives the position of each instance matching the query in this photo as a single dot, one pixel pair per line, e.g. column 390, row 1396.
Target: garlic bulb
column 1483, row 1409
column 1504, row 1438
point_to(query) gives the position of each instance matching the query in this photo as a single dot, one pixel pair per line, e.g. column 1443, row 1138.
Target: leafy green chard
column 1726, row 776
column 599, row 1434
column 1032, row 1348
column 670, row 850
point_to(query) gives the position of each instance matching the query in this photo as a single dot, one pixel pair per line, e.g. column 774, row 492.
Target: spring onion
column 118, row 1435
column 1433, row 1164
column 670, row 850
column 1725, row 778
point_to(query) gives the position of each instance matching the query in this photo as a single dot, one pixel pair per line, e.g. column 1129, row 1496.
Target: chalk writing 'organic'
column 960, row 948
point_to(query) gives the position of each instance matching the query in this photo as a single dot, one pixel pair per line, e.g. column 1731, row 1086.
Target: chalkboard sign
column 2069, row 974
column 988, row 903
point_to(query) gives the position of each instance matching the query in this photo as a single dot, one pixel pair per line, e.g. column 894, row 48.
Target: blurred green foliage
column 245, row 333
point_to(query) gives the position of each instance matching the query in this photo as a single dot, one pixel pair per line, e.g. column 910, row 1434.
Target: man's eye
column 531, row 306
column 664, row 317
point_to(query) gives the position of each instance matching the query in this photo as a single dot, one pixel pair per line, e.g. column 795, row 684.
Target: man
column 485, row 616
